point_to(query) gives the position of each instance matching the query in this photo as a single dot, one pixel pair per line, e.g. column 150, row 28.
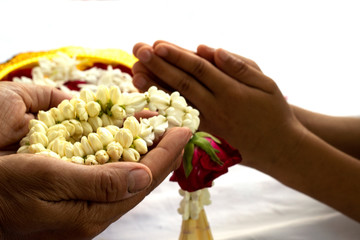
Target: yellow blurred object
column 198, row 229
column 86, row 56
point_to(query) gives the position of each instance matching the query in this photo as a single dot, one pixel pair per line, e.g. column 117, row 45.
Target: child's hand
column 236, row 100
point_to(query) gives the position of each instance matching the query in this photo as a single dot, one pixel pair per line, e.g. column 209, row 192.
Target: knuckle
column 109, row 184
column 183, row 85
column 240, row 68
column 198, row 68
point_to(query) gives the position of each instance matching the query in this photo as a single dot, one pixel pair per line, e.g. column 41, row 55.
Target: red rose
column 205, row 159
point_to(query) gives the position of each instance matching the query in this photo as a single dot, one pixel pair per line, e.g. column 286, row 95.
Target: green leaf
column 208, row 135
column 188, row 156
column 206, row 146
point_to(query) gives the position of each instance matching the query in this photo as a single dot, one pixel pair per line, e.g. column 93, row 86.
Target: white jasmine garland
column 98, row 128
column 193, row 202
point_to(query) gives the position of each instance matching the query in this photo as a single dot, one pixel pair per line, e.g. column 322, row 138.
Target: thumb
column 101, row 183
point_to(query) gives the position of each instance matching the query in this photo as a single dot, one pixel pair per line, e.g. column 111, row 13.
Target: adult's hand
column 47, row 198
column 19, row 103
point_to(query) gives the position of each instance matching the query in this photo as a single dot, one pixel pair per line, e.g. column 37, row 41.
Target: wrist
column 272, row 155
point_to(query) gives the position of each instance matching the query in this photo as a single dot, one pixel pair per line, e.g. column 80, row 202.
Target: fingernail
column 138, row 180
column 144, row 55
column 139, row 82
column 223, row 55
column 161, row 51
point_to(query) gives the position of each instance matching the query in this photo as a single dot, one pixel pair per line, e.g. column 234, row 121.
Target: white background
column 310, row 48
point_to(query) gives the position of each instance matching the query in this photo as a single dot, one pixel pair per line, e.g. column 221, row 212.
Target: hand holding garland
column 44, row 197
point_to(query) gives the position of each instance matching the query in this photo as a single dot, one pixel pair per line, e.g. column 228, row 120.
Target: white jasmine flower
column 38, row 137
column 38, row 128
column 49, row 153
column 178, row 101
column 86, row 146
column 78, row 160
column 115, row 94
column 158, row 99
column 86, row 128
column 78, row 150
column 80, row 109
column 91, row 160
column 67, row 109
column 159, row 123
column 106, row 120
column 87, row 95
column 69, row 150
column 133, row 125
column 33, row 122
column 95, row 142
column 46, row 118
column 113, row 129
column 116, row 122
column 146, row 131
column 70, row 128
column 118, row 112
column 131, row 155
column 140, row 146
column 103, row 96
column 58, row 130
column 58, row 146
column 105, row 136
column 25, row 140
column 124, row 137
column 93, row 108
column 95, row 123
column 102, row 156
column 23, row 149
column 174, row 116
column 114, row 150
column 78, row 129
column 37, row 147
column 132, row 102
column 57, row 114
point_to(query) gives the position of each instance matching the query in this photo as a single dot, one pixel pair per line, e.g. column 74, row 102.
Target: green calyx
column 199, row 140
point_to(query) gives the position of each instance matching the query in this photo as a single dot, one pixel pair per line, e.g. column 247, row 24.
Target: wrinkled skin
column 312, row 153
column 47, row 198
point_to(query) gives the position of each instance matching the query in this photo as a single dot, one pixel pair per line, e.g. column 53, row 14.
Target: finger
column 206, row 52
column 194, row 65
column 139, row 45
column 177, row 79
column 143, row 79
column 172, row 44
column 202, row 50
column 164, row 158
column 102, row 183
column 242, row 72
column 38, row 98
column 145, row 114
